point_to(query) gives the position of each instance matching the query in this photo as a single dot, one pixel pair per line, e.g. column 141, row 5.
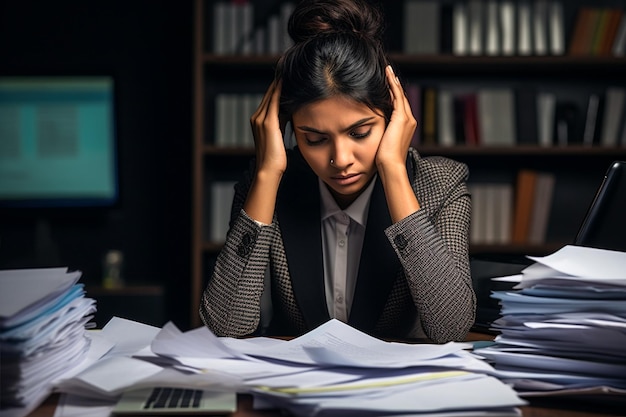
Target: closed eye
column 315, row 141
column 360, row 135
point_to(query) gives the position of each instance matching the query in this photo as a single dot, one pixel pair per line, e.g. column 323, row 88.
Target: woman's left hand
column 397, row 137
column 392, row 153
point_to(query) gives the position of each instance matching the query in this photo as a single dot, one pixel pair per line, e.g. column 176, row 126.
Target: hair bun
column 317, row 17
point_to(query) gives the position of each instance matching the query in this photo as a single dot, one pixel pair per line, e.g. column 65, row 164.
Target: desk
column 540, row 407
column 244, row 409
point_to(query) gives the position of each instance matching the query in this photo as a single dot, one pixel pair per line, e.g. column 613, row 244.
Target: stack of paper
column 43, row 316
column 563, row 327
column 332, row 369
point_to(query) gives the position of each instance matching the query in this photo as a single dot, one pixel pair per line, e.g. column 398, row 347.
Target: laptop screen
column 605, row 223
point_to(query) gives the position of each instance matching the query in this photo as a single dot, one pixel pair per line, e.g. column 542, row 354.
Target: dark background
column 147, row 47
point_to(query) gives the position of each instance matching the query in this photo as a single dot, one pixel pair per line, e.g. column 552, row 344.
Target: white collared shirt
column 343, row 232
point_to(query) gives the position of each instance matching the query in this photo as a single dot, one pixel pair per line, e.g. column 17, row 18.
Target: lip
column 345, row 180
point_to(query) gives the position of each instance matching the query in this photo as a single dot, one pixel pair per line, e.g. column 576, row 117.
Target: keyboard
column 173, row 398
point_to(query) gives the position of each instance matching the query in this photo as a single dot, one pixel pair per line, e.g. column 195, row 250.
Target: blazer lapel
column 298, row 211
column 379, row 263
column 378, row 266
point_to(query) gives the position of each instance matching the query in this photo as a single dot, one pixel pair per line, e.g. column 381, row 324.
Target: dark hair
column 338, row 50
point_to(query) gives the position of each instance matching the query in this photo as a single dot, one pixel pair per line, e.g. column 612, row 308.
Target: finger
column 265, row 100
column 274, row 100
column 397, row 93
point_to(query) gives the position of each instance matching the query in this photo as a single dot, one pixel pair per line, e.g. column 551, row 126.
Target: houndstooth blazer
column 415, row 271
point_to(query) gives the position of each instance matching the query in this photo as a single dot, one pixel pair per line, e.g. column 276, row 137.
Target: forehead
column 336, row 110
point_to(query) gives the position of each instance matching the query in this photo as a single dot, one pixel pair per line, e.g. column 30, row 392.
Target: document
column 334, row 343
column 563, row 327
column 297, row 374
column 43, row 320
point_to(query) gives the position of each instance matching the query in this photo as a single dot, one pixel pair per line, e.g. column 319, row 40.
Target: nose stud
column 332, row 161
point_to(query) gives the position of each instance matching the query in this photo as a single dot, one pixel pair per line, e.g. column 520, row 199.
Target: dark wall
column 147, row 46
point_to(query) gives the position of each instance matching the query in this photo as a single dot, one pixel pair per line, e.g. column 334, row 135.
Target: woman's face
column 346, row 132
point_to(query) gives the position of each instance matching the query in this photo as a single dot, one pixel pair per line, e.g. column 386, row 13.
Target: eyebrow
column 352, row 126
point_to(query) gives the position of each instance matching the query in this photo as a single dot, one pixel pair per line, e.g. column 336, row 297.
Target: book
column 583, row 30
column 496, row 116
column 221, row 199
column 245, row 44
column 507, row 27
column 612, row 117
column 523, row 206
column 600, row 31
column 619, row 44
column 219, row 29
column 492, row 28
column 542, row 203
column 445, row 121
column 556, row 27
column 421, row 26
column 546, row 107
column 615, row 17
column 470, row 120
column 540, row 27
column 593, row 119
column 524, row 28
column 429, row 131
column 476, row 26
column 274, row 35
column 505, row 213
column 460, row 28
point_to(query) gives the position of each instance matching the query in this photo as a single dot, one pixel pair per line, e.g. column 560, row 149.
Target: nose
column 343, row 155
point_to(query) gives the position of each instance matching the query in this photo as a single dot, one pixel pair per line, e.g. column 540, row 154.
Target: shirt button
column 339, row 299
column 342, row 243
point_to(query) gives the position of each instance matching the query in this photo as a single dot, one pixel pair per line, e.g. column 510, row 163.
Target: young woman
column 352, row 223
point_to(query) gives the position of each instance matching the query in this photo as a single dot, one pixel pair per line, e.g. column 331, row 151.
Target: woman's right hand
column 271, row 157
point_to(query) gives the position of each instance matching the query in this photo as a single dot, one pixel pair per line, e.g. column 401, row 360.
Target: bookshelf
column 578, row 168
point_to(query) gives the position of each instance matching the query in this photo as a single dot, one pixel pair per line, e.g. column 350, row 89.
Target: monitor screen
column 57, row 142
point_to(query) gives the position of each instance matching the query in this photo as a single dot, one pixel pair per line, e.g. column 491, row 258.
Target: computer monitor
column 604, row 225
column 58, row 142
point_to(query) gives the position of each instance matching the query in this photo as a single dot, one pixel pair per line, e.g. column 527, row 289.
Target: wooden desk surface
column 245, row 409
column 543, row 407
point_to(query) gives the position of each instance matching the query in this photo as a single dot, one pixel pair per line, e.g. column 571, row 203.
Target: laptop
column 604, row 226
column 176, row 402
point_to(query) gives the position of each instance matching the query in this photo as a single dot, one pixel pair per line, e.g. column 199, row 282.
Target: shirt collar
column 357, row 210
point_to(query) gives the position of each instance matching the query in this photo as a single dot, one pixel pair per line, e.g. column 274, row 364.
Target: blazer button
column 245, row 247
column 400, row 241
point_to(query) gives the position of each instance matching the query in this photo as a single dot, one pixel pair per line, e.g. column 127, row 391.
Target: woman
column 352, row 223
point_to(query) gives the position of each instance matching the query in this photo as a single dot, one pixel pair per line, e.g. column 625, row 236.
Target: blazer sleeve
column 231, row 301
column 432, row 245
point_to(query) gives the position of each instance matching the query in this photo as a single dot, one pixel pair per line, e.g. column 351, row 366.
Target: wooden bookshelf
column 579, row 168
